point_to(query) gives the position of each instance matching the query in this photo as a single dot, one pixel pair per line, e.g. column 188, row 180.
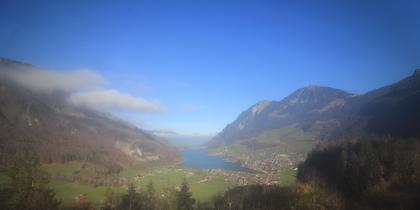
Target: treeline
column 300, row 196
column 149, row 199
column 94, row 151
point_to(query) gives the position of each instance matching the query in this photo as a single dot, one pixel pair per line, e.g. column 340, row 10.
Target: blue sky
column 207, row 61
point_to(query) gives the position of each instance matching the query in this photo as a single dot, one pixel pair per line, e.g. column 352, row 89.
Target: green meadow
column 162, row 178
column 67, row 191
column 287, row 176
column 202, row 190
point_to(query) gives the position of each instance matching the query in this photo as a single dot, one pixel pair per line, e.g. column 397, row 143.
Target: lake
column 198, row 158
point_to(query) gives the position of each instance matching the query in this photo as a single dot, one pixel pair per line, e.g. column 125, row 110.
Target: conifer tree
column 184, row 198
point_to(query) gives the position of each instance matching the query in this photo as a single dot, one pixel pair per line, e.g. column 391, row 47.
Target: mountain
column 294, row 124
column 304, row 105
column 181, row 140
column 391, row 110
column 60, row 132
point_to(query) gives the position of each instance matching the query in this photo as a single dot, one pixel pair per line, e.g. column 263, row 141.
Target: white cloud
column 84, row 88
column 48, row 81
column 112, row 100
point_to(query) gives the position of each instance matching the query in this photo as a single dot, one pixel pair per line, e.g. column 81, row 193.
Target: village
column 265, row 171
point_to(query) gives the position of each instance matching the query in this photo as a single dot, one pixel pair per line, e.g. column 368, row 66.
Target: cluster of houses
column 241, row 178
column 269, row 164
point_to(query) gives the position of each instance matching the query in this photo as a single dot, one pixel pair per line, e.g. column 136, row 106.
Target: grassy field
column 287, row 176
column 202, row 191
column 4, row 180
column 162, row 178
column 85, row 170
column 286, row 140
column 289, row 139
column 131, row 173
column 67, row 191
column 66, row 169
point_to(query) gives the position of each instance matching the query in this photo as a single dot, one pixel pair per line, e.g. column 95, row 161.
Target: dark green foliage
column 150, row 202
column 300, row 196
column 28, row 185
column 356, row 173
column 369, row 171
column 133, row 200
column 148, row 199
column 111, row 200
column 203, row 206
column 184, row 198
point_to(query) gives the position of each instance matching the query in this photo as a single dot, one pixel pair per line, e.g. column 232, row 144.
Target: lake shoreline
column 199, row 158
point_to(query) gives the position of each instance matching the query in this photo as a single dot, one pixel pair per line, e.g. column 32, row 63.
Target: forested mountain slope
column 59, row 131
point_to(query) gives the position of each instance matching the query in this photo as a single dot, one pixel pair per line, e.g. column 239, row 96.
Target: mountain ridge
column 60, row 132
column 317, row 113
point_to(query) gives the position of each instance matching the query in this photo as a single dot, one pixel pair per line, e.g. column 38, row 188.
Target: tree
column 28, row 185
column 167, row 199
column 203, row 206
column 184, row 198
column 111, row 200
column 132, row 200
column 150, row 197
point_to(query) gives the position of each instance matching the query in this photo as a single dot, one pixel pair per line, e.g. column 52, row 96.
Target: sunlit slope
column 294, row 124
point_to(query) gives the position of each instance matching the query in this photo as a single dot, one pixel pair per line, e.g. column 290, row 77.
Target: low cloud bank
column 114, row 100
column 85, row 88
column 49, row 81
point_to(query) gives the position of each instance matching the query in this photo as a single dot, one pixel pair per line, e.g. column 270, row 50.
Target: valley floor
column 75, row 178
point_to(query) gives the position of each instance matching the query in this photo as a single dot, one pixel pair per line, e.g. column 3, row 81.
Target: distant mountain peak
column 312, row 87
column 315, row 94
column 260, row 106
column 317, row 88
column 14, row 63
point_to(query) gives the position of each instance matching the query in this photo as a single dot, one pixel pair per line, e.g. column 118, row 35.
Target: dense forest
column 366, row 172
column 353, row 173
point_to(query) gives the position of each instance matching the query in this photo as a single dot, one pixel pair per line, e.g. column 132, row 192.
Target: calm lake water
column 198, row 158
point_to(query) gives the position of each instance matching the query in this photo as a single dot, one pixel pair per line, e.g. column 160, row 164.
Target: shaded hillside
column 364, row 172
column 394, row 109
column 62, row 132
